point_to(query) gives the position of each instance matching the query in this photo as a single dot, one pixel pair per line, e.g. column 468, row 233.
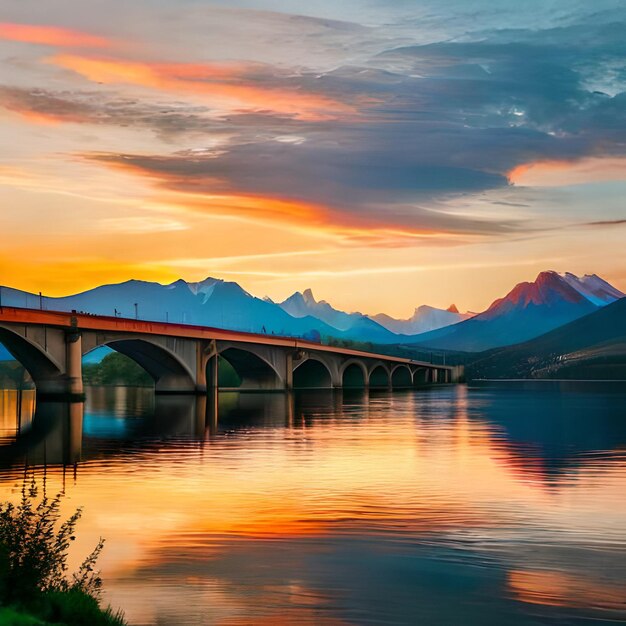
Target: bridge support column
column 289, row 371
column 201, row 385
column 74, row 365
column 213, row 381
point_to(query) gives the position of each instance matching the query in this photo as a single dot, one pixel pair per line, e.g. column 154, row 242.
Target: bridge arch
column 401, row 377
column 169, row 372
column 353, row 374
column 312, row 373
column 379, row 377
column 251, row 370
column 47, row 374
column 421, row 376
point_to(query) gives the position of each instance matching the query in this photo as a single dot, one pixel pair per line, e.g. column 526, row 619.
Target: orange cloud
column 312, row 217
column 221, row 84
column 560, row 173
column 192, row 194
column 36, row 117
column 51, row 36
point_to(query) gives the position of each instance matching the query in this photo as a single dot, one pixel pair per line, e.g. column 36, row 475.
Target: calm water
column 446, row 506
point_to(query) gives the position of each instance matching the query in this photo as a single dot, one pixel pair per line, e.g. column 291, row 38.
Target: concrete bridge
column 190, row 359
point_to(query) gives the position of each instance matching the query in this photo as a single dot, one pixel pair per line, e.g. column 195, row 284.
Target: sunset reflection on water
column 445, row 506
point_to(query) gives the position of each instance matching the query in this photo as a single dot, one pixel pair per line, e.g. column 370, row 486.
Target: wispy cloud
column 606, row 223
column 137, row 224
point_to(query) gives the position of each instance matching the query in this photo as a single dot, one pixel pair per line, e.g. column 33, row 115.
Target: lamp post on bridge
column 136, row 310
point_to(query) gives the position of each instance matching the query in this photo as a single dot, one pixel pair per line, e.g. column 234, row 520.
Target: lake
column 452, row 505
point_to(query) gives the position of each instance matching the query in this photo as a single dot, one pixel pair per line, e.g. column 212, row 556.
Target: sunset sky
column 385, row 153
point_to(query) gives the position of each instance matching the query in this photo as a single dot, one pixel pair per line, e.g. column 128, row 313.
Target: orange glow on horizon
column 51, row 36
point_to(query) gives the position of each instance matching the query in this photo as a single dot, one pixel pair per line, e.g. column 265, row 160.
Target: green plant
column 34, row 549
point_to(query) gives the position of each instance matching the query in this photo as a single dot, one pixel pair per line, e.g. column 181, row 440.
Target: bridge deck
column 86, row 321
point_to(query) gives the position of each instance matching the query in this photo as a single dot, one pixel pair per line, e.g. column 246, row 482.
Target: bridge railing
column 394, row 351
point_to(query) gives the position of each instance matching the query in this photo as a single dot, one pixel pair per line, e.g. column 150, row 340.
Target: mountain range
column 353, row 325
column 371, row 327
column 424, row 319
column 223, row 304
column 591, row 347
column 530, row 309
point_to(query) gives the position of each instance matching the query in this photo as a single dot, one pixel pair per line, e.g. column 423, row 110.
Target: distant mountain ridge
column 424, row 319
column 530, row 309
column 301, row 304
column 591, row 347
column 211, row 302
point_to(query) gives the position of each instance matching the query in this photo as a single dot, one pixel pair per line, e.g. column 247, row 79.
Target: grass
column 13, row 617
column 67, row 608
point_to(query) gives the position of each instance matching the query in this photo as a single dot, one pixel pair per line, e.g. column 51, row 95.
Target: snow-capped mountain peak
column 204, row 287
column 424, row 319
column 592, row 287
column 551, row 288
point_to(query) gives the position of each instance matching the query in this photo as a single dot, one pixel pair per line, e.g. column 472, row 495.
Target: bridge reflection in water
column 46, row 433
column 38, row 433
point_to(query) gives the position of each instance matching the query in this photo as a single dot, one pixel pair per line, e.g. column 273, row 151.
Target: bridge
column 183, row 358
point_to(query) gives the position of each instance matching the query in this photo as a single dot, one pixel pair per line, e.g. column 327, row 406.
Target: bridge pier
column 74, row 356
column 213, row 367
column 201, row 383
column 289, row 370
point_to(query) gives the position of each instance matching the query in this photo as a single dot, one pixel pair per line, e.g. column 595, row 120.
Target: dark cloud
column 261, row 173
column 165, row 119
